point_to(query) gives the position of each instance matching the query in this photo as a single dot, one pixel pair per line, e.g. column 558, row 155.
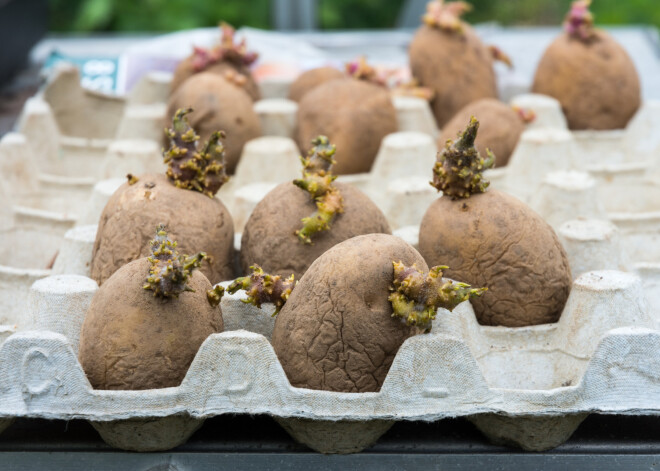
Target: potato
column 185, row 70
column 134, row 340
column 311, row 79
column 494, row 240
column 200, row 223
column 228, row 56
column 354, row 114
column 336, row 331
column 218, row 104
column 456, row 65
column 595, row 81
column 491, row 239
column 269, row 238
column 499, row 130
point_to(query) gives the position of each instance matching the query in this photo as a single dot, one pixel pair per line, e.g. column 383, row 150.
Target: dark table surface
column 257, row 442
column 13, row 96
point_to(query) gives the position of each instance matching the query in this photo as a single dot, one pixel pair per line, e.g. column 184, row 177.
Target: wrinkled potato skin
column 494, row 240
column 499, row 128
column 311, row 79
column 196, row 222
column 596, row 83
column 269, row 238
column 355, row 115
column 133, row 340
column 218, row 106
column 457, row 67
column 185, row 70
column 336, row 332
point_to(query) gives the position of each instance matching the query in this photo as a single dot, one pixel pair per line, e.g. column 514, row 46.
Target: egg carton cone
column 153, row 88
column 65, row 198
column 625, row 198
column 70, row 128
column 414, row 114
column 512, row 382
column 547, row 146
column 26, row 187
column 275, row 87
column 31, row 252
column 567, row 195
column 96, row 202
column 80, row 112
column 277, row 116
column 132, row 156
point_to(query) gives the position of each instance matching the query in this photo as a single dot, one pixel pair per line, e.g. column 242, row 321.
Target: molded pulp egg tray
column 530, row 387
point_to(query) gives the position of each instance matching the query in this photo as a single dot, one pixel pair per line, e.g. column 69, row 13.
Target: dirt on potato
column 494, row 240
column 457, row 66
column 595, row 81
column 218, row 105
column 133, row 340
column 499, row 129
column 185, row 70
column 336, row 332
column 199, row 223
column 311, row 79
column 355, row 115
column 269, row 238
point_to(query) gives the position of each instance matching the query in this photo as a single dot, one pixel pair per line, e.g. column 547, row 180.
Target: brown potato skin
column 311, row 79
column 269, row 238
column 198, row 224
column 457, row 66
column 494, row 240
column 336, row 332
column 185, row 70
column 354, row 114
column 596, row 83
column 133, row 340
column 218, row 106
column 500, row 128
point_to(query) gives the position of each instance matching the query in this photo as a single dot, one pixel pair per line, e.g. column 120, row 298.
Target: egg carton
column 616, row 213
column 559, row 197
column 531, row 413
column 398, row 180
column 72, row 130
column 529, row 386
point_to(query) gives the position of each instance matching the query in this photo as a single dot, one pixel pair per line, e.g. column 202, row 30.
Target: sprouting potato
column 219, row 103
column 355, row 114
column 448, row 57
column 590, row 74
column 298, row 221
column 500, row 127
column 311, row 79
column 227, row 56
column 183, row 200
column 146, row 322
column 346, row 319
column 491, row 239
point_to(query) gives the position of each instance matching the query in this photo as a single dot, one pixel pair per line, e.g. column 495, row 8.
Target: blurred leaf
column 94, row 14
column 170, row 15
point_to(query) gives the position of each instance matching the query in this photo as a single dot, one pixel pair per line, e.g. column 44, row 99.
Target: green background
column 170, row 15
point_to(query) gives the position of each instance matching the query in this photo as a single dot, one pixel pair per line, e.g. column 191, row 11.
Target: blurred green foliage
column 170, row 15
